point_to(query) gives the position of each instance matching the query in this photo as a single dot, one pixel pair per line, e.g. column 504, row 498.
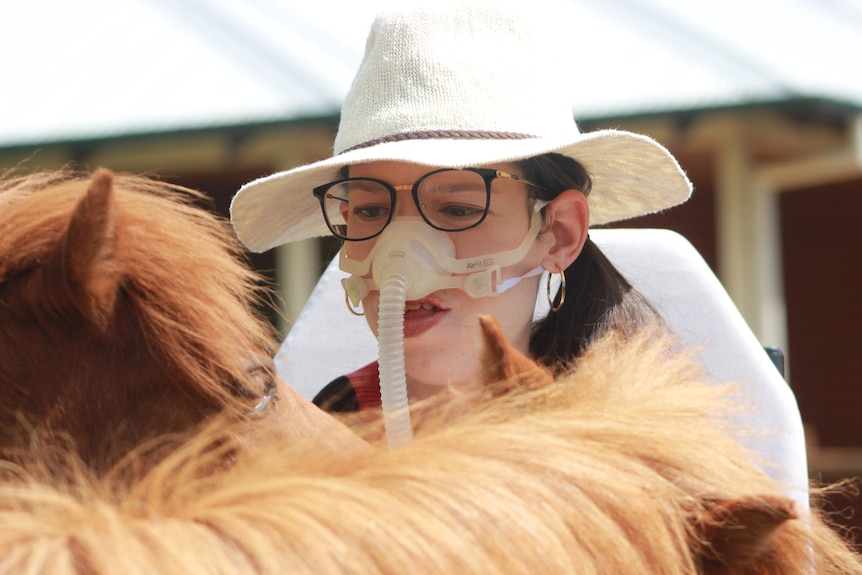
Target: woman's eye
column 461, row 211
column 371, row 212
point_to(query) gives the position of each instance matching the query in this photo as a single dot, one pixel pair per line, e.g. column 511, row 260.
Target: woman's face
column 441, row 331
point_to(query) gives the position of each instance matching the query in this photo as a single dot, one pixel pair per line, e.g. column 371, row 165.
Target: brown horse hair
column 622, row 466
column 134, row 274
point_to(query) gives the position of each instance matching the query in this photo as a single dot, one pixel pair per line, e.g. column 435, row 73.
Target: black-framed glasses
column 450, row 200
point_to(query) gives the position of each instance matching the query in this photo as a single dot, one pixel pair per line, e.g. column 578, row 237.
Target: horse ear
column 739, row 532
column 84, row 261
column 504, row 368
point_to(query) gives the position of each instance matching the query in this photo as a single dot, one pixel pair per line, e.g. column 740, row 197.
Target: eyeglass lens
column 450, row 200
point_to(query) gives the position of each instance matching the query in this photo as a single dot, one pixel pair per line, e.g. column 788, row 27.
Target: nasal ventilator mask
column 409, row 261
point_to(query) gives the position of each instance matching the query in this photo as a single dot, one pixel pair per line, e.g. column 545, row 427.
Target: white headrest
column 327, row 341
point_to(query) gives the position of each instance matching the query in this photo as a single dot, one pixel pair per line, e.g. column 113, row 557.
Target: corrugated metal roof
column 107, row 68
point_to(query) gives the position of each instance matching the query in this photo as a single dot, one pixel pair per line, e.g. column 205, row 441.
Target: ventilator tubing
column 393, row 375
column 404, row 268
column 409, row 261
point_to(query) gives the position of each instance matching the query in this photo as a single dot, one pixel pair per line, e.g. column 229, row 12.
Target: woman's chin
column 441, row 367
column 443, row 344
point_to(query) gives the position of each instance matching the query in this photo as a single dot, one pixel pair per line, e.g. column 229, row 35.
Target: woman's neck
column 419, row 391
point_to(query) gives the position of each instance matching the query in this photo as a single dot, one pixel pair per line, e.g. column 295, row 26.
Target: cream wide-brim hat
column 461, row 85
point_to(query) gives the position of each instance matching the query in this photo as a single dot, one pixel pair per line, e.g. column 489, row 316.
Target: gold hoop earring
column 555, row 308
column 350, row 307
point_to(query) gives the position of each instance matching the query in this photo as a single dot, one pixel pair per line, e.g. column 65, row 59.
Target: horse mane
column 135, row 276
column 623, row 466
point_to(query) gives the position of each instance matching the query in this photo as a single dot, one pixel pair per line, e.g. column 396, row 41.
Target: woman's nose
column 404, row 204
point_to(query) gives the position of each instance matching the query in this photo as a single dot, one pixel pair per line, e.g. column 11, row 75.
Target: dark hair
column 598, row 297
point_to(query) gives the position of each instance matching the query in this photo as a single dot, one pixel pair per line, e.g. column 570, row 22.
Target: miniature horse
column 127, row 314
column 619, row 468
column 124, row 316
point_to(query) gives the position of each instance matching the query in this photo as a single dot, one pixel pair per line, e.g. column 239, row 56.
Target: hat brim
column 632, row 175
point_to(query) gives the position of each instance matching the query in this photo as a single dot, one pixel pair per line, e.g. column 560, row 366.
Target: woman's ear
column 567, row 222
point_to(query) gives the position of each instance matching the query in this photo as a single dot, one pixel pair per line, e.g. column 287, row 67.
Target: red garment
column 366, row 384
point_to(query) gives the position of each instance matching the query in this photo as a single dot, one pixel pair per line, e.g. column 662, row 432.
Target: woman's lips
column 422, row 315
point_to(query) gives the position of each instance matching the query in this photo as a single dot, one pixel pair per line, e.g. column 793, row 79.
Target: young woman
column 455, row 138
